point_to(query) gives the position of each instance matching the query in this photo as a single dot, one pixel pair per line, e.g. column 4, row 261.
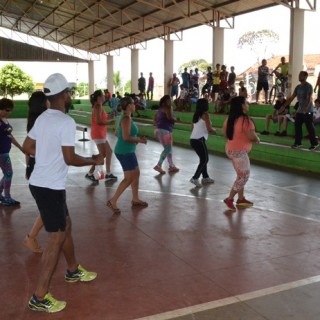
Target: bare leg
column 68, row 248
column 266, row 96
column 135, row 185
column 257, row 96
column 49, row 261
column 124, row 184
column 37, row 226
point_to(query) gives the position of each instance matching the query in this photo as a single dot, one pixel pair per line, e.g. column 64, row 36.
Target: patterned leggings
column 241, row 164
column 165, row 138
column 6, row 167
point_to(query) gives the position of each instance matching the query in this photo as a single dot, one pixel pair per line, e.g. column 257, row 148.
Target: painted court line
column 235, row 299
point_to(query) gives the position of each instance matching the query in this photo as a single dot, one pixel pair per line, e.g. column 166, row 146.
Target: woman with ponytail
column 239, row 130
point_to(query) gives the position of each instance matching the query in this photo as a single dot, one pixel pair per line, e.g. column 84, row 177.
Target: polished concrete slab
column 183, row 257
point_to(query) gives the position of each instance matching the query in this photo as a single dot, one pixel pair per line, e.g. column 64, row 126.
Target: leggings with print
column 241, row 164
column 6, row 167
column 165, row 138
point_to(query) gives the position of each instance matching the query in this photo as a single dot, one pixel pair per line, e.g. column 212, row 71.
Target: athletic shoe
column 283, row 133
column 159, row 169
column 296, row 146
column 229, row 203
column 265, row 133
column 277, row 133
column 7, row 201
column 110, row 177
column 32, row 244
column 314, row 147
column 48, row 304
column 173, row 169
column 244, row 203
column 1, row 198
column 196, row 182
column 91, row 177
column 81, row 274
column 207, row 180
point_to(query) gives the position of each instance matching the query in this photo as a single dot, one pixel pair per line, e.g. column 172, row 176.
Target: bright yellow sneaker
column 48, row 304
column 81, row 274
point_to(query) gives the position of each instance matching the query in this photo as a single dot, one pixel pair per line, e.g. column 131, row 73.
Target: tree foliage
column 13, row 81
column 259, row 41
column 201, row 64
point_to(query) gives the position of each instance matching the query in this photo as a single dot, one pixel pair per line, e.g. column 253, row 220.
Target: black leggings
column 200, row 147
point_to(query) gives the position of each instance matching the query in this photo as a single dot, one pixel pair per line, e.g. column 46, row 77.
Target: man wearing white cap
column 52, row 140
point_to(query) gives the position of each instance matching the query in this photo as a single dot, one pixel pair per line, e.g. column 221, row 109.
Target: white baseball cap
column 55, row 84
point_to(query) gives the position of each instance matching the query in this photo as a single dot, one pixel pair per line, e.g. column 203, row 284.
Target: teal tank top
column 123, row 147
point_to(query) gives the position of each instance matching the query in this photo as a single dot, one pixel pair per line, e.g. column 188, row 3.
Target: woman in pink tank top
column 239, row 130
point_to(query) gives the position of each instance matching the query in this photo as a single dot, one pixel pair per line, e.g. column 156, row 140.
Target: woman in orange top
column 239, row 130
column 99, row 122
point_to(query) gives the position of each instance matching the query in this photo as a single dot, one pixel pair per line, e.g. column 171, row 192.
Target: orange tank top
column 98, row 131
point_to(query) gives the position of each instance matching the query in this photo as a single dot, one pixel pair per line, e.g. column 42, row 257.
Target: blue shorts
column 128, row 161
column 52, row 206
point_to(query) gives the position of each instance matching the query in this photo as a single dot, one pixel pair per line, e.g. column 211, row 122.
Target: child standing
column 6, row 139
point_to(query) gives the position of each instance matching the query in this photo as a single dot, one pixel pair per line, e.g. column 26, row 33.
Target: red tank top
column 98, row 131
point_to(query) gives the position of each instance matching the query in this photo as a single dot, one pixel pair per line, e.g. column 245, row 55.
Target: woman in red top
column 99, row 122
column 239, row 130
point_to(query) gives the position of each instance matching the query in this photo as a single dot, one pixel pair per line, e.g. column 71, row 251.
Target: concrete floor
column 184, row 257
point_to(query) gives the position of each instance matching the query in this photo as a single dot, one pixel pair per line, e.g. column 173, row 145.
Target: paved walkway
column 184, row 257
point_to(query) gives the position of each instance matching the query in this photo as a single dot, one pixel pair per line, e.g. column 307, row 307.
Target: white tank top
column 199, row 130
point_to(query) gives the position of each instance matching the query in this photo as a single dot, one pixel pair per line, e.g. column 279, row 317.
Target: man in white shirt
column 52, row 141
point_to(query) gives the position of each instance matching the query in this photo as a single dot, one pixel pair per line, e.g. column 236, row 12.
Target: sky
column 196, row 44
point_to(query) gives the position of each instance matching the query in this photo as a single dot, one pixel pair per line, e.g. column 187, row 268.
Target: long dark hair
column 164, row 99
column 94, row 96
column 202, row 107
column 236, row 112
column 37, row 105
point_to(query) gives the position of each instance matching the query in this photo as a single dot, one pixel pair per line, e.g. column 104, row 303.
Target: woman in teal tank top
column 127, row 132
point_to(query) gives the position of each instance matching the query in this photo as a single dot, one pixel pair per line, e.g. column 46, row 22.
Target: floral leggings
column 241, row 164
column 6, row 167
column 165, row 138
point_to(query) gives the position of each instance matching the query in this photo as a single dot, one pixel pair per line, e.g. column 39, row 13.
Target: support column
column 296, row 48
column 134, row 70
column 91, row 77
column 168, row 64
column 218, row 46
column 110, row 82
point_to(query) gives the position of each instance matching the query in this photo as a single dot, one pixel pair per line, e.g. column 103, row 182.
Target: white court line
column 235, row 299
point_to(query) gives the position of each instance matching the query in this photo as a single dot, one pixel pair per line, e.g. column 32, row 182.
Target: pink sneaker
column 244, row 203
column 159, row 169
column 173, row 169
column 229, row 203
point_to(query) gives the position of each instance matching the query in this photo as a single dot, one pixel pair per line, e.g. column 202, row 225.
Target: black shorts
column 263, row 85
column 52, row 206
column 216, row 88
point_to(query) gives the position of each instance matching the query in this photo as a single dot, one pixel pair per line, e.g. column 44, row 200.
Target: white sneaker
column 207, row 180
column 196, row 182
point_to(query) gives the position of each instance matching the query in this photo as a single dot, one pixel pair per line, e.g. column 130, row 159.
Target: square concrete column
column 110, row 82
column 91, row 77
column 134, row 70
column 296, row 47
column 218, row 46
column 168, row 64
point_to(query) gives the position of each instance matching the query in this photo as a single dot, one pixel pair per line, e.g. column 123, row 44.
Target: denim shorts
column 52, row 206
column 128, row 161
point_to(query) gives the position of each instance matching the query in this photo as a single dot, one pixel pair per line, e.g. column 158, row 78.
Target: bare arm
column 97, row 114
column 16, row 143
column 29, row 146
column 209, row 127
column 126, row 128
column 73, row 159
